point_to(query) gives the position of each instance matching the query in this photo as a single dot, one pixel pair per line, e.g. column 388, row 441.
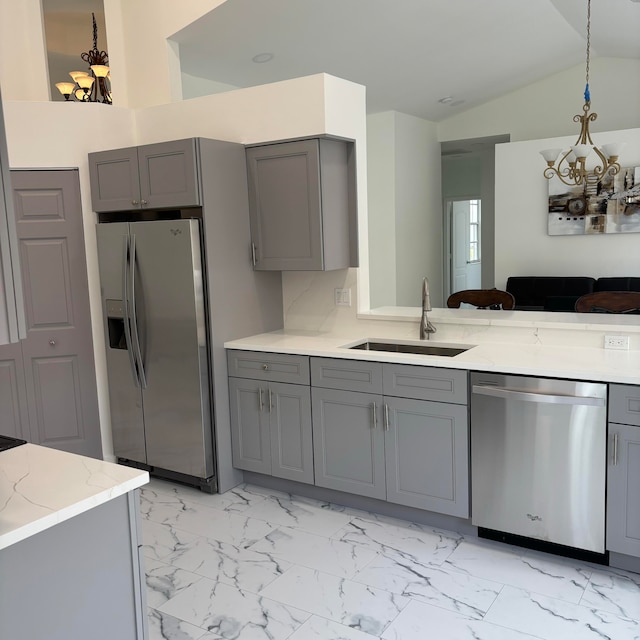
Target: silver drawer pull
column 265, row 367
column 52, row 342
column 615, row 449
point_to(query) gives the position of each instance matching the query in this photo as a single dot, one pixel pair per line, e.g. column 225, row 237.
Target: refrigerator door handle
column 134, row 319
column 125, row 308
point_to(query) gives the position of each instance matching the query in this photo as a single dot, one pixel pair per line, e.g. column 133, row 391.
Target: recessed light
column 262, row 57
column 446, row 100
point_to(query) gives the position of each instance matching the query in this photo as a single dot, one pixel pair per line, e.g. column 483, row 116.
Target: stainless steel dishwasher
column 538, row 458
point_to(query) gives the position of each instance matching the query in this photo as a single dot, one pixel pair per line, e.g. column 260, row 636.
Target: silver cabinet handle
column 270, row 401
column 143, row 202
column 52, row 342
column 260, row 404
column 615, row 449
column 265, row 367
column 533, row 396
column 374, row 415
column 134, row 202
column 253, row 254
column 386, row 417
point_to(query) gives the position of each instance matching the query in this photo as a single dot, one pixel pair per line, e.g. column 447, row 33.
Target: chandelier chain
column 587, row 93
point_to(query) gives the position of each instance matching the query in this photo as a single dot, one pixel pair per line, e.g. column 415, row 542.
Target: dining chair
column 482, row 299
column 609, row 302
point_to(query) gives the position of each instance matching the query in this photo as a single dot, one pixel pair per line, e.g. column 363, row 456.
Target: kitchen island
column 70, row 563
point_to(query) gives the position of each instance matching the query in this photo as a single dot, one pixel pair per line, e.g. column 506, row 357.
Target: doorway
column 464, row 264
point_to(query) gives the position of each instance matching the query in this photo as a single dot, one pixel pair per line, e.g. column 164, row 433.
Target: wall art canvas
column 613, row 206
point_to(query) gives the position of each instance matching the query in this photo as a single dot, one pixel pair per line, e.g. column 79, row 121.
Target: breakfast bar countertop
column 41, row 487
column 511, row 355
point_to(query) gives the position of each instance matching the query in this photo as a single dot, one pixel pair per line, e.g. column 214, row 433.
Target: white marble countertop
column 513, row 356
column 41, row 487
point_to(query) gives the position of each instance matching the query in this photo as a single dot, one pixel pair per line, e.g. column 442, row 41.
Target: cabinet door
column 251, row 445
column 348, row 441
column 427, row 455
column 168, row 174
column 14, row 414
column 115, row 183
column 290, row 427
column 284, row 204
column 623, row 507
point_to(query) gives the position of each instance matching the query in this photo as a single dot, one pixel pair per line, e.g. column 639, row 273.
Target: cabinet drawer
column 425, row 383
column 624, row 404
column 350, row 375
column 259, row 365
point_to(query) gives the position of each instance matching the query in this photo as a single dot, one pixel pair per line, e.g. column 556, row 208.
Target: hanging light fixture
column 93, row 85
column 570, row 167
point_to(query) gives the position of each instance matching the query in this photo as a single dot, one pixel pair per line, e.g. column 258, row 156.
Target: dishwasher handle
column 534, row 396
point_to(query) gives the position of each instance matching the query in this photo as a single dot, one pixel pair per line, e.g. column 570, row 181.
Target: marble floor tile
column 164, row 627
column 245, row 569
column 164, row 543
column 316, row 628
column 298, row 547
column 419, row 621
column 415, row 544
column 542, row 573
column 349, row 603
column 552, row 619
column 218, row 525
column 238, row 499
column 234, row 614
column 617, row 593
column 309, row 515
column 435, row 585
column 164, row 581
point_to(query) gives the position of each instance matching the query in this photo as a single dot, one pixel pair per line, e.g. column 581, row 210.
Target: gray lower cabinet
column 302, row 205
column 623, row 474
column 408, row 450
column 271, row 420
column 348, row 442
column 152, row 176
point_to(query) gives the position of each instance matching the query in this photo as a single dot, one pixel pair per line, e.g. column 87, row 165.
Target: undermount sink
column 403, row 347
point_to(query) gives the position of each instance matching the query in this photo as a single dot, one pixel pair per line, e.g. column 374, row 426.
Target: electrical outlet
column 343, row 297
column 616, row 342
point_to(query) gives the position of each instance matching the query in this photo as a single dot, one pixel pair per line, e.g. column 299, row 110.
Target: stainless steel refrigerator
column 153, row 293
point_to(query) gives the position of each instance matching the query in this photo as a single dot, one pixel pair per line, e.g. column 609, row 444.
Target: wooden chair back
column 482, row 299
column 609, row 302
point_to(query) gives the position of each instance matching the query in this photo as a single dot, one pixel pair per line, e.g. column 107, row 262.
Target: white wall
column 523, row 247
column 405, row 215
column 546, row 108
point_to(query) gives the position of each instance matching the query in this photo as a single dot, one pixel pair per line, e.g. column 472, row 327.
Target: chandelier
column 93, row 85
column 570, row 167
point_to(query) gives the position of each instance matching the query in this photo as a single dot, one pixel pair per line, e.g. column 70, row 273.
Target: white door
column 464, row 221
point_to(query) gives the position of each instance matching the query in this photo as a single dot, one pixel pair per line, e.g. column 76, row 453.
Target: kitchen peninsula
column 390, row 431
column 69, row 547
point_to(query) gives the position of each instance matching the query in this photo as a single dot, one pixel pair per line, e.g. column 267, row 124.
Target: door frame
column 447, row 254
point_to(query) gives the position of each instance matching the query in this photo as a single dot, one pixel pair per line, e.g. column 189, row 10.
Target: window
column 474, row 230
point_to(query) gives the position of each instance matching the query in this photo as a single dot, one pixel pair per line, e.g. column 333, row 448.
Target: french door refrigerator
column 153, row 294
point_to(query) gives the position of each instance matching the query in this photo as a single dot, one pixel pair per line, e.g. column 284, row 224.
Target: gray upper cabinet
column 623, row 475
column 302, row 205
column 152, row 176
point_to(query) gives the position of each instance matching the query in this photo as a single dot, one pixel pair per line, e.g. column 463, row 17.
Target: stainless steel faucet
column 426, row 328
